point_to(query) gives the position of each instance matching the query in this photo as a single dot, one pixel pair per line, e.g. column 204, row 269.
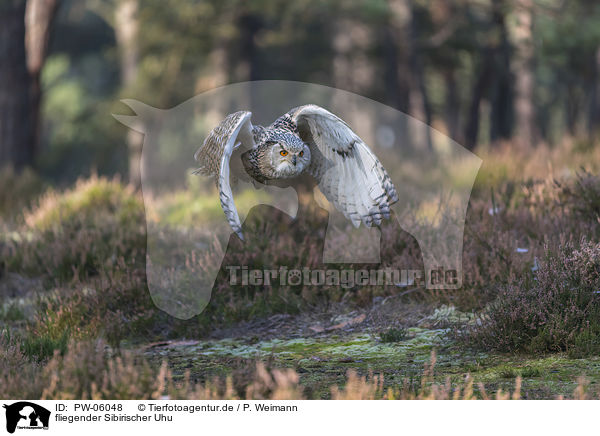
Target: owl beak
column 294, row 159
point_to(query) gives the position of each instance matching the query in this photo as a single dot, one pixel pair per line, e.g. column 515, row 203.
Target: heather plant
column 557, row 308
column 89, row 242
column 91, row 370
column 78, row 233
column 274, row 240
column 115, row 306
column 510, row 225
column 88, row 202
column 582, row 197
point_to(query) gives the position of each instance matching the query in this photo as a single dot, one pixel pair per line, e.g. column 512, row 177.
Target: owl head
column 287, row 154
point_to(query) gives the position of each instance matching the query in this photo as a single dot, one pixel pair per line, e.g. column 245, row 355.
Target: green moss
column 324, row 361
column 393, row 335
column 12, row 312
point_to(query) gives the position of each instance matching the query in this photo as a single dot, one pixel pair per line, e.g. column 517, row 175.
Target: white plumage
column 305, row 139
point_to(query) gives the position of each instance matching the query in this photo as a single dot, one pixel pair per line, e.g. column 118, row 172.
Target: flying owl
column 306, row 140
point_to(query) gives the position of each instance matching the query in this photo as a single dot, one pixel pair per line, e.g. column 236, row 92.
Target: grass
column 18, row 191
column 36, row 348
column 92, row 370
column 531, row 272
column 393, row 335
column 41, row 348
column 11, row 313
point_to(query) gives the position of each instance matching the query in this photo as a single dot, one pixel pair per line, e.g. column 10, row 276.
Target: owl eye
column 301, row 154
column 283, row 153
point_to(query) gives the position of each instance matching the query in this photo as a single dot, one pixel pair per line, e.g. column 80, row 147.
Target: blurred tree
column 126, row 32
column 444, row 44
column 594, row 106
column 420, row 106
column 406, row 21
column 39, row 15
column 524, row 74
column 16, row 123
column 493, row 79
column 480, row 70
column 24, row 33
column 500, row 92
column 123, row 16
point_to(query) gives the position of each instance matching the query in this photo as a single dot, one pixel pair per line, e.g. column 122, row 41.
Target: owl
column 306, row 140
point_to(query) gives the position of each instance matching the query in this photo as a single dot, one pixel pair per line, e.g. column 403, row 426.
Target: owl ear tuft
column 143, row 117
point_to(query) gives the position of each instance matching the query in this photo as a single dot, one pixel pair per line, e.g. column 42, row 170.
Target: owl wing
column 214, row 156
column 347, row 171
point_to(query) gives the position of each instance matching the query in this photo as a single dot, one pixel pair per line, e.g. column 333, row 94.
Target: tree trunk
column 16, row 125
column 594, row 98
column 250, row 25
column 352, row 68
column 572, row 106
column 397, row 55
column 404, row 25
column 353, row 71
column 523, row 71
column 39, row 15
column 126, row 32
column 501, row 96
column 248, row 62
column 419, row 99
column 452, row 110
column 483, row 80
column 395, row 73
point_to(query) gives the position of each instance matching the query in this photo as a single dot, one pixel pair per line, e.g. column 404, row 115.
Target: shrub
column 116, row 305
column 581, row 197
column 11, row 313
column 85, row 371
column 41, row 347
column 90, row 202
column 556, row 309
column 510, row 226
column 17, row 190
column 80, row 232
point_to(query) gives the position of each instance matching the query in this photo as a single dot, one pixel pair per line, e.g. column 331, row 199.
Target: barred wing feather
column 347, row 171
column 214, row 157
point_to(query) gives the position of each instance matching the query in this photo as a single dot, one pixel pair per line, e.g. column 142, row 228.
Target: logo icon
column 432, row 175
column 26, row 415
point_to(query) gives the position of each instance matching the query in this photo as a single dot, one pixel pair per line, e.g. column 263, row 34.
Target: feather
column 214, row 158
column 354, row 180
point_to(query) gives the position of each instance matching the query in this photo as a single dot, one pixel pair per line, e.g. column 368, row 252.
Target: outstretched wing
column 347, row 171
column 214, row 157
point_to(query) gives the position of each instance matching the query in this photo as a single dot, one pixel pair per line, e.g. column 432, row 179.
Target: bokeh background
column 481, row 71
column 516, row 82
